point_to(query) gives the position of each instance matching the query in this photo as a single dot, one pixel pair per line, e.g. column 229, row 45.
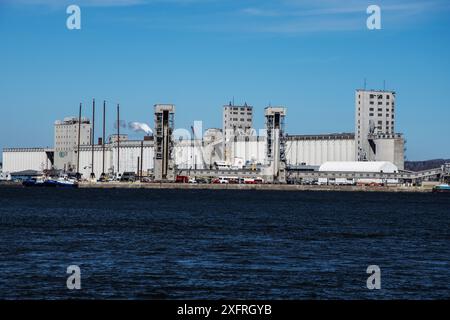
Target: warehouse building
column 314, row 150
column 359, row 167
column 21, row 159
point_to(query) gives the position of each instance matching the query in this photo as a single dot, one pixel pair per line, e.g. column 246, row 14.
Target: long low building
column 21, row 159
column 358, row 167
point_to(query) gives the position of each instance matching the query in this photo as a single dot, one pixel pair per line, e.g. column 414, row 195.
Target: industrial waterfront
column 373, row 155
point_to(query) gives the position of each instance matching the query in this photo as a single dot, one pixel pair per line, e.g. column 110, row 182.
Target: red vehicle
column 182, row 179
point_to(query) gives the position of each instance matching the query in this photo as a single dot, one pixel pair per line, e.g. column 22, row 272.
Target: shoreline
column 257, row 187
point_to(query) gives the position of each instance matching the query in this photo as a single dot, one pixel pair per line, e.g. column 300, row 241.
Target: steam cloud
column 137, row 127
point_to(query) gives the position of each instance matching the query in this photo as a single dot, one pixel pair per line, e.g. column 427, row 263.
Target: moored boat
column 66, row 182
column 34, row 182
column 63, row 182
column 442, row 188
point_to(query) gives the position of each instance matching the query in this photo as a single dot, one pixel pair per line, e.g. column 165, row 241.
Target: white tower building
column 375, row 135
column 66, row 141
column 237, row 122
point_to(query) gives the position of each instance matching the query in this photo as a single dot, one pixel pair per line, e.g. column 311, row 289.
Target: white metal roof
column 359, row 166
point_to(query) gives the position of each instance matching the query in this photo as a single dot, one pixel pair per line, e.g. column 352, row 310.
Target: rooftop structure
column 359, row 166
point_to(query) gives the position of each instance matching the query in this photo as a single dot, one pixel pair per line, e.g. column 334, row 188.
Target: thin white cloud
column 94, row 3
column 61, row 3
column 303, row 16
column 330, row 7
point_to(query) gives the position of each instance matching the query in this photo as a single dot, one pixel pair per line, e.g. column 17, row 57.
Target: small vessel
column 67, row 183
column 34, row 182
column 64, row 182
column 442, row 188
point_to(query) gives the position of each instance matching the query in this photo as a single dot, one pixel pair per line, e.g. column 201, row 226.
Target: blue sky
column 308, row 55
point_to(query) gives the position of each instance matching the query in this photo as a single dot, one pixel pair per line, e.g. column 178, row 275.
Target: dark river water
column 181, row 244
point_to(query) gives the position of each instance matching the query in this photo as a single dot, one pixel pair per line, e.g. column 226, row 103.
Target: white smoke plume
column 140, row 127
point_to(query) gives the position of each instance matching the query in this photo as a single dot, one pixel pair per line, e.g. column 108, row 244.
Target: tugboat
column 442, row 188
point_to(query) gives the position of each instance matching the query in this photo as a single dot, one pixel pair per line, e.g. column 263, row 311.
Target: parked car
column 201, row 180
column 128, row 177
column 221, row 180
column 182, row 179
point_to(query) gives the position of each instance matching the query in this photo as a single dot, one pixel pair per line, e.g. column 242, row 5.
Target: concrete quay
column 266, row 187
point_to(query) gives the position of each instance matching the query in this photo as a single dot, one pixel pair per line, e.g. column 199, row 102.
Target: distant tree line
column 425, row 165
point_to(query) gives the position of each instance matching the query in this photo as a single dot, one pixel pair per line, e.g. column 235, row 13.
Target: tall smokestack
column 93, row 138
column 118, row 138
column 142, row 157
column 79, row 137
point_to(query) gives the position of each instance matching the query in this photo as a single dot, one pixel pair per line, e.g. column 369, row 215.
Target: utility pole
column 93, row 138
column 103, row 139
